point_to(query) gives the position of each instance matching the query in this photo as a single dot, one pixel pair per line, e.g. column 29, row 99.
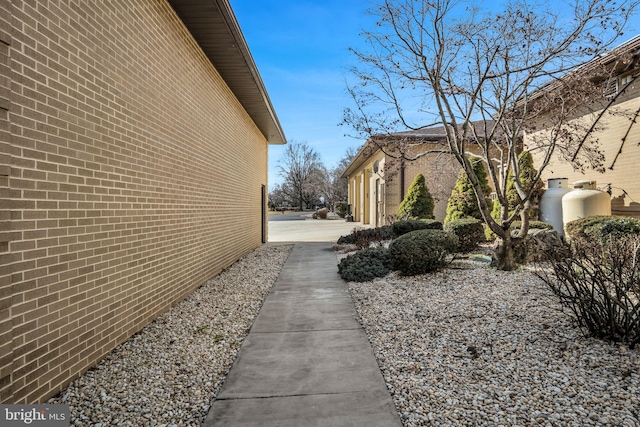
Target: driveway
column 298, row 227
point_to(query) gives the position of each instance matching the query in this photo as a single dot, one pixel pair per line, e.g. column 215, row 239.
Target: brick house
column 619, row 137
column 133, row 167
column 379, row 178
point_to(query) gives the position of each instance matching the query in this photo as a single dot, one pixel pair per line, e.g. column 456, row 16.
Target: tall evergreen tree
column 462, row 202
column 418, row 203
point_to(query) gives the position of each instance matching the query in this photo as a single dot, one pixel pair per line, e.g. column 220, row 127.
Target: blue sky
column 301, row 50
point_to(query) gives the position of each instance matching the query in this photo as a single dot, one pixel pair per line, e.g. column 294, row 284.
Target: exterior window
column 625, row 80
column 610, row 87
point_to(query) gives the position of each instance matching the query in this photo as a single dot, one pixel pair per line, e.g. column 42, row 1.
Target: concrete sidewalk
column 306, row 360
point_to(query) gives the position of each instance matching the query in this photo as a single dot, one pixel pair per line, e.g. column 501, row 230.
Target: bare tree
column 303, row 174
column 336, row 188
column 446, row 63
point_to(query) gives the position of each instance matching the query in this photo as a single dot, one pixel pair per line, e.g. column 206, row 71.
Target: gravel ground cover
column 472, row 346
column 169, row 373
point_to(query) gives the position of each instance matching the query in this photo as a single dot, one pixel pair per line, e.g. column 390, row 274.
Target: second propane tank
column 585, row 200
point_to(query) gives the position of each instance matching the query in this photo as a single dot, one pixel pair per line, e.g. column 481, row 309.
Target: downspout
column 401, row 179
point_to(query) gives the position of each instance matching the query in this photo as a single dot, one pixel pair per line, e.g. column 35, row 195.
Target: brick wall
column 135, row 176
column 440, row 172
column 6, row 358
column 621, row 173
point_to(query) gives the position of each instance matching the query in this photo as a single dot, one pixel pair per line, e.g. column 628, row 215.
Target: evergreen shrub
column 470, row 232
column 341, row 209
column 417, row 203
column 600, row 227
column 406, row 226
column 462, row 202
column 422, row 251
column 365, row 265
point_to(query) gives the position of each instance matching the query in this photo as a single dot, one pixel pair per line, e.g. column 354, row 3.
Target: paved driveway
column 309, row 230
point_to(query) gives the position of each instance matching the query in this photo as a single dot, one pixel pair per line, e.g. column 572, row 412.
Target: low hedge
column 365, row 265
column 601, row 226
column 421, row 251
column 470, row 232
column 406, row 226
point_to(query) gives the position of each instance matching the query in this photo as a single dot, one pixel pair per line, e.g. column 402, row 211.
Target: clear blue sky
column 301, row 50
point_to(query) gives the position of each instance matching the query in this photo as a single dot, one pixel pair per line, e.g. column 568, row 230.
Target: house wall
column 440, row 172
column 362, row 190
column 129, row 175
column 623, row 176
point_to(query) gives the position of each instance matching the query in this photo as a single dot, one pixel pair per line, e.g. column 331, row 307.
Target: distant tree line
column 307, row 182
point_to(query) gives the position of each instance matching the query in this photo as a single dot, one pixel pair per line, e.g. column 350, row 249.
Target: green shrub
column 599, row 227
column 365, row 265
column 527, row 173
column 406, row 226
column 341, row 209
column 364, row 237
column 470, row 233
column 462, row 202
column 417, row 203
column 422, row 251
column 349, row 239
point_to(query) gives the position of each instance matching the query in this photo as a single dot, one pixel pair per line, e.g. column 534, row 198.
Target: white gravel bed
column 169, row 373
column 473, row 346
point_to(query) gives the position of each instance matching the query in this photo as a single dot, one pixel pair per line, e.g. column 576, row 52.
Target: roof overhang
column 427, row 135
column 607, row 59
column 215, row 28
column 367, row 150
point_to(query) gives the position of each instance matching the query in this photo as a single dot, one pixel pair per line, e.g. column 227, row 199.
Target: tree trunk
column 503, row 254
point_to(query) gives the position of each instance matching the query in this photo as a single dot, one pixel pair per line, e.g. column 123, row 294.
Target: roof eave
column 215, row 28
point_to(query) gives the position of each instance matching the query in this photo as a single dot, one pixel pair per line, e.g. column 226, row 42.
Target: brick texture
column 621, row 172
column 439, row 169
column 129, row 175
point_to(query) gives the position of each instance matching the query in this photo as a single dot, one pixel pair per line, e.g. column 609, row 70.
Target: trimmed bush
column 365, row 265
column 422, row 251
column 349, row 239
column 341, row 209
column 403, row 227
column 470, row 232
column 417, row 203
column 599, row 227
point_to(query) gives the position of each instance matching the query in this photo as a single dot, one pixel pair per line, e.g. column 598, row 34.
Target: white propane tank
column 585, row 200
column 551, row 203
